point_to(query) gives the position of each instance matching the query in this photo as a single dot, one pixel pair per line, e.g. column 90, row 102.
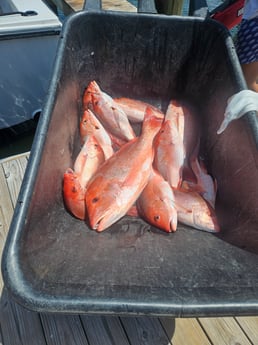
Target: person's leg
column 250, row 72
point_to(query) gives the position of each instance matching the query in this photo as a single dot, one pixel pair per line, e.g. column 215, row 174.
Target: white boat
column 29, row 33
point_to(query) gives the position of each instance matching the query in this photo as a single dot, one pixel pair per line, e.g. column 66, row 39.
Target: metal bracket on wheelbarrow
column 144, row 6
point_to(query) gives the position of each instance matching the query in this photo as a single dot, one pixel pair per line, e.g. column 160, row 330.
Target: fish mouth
column 173, row 225
column 98, row 226
column 103, row 221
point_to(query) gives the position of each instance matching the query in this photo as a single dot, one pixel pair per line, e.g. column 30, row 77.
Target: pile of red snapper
column 157, row 175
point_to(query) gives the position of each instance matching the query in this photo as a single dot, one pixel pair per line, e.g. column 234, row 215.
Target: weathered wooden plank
column 19, row 326
column 14, row 170
column 104, row 330
column 184, row 331
column 11, row 174
column 6, row 213
column 62, row 329
column 113, row 5
column 118, row 5
column 224, row 331
column 76, row 5
column 6, row 206
column 250, row 326
column 144, row 330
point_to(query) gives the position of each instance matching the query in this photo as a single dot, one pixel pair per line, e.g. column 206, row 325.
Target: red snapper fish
column 194, row 211
column 156, row 203
column 169, row 153
column 90, row 125
column 75, row 180
column 89, row 159
column 186, row 123
column 120, row 180
column 73, row 194
column 108, row 112
column 135, row 109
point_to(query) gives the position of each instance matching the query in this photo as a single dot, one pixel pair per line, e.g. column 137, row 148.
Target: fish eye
column 94, row 200
column 156, row 218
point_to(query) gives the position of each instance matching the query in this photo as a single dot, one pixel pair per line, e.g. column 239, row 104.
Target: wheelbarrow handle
column 144, row 6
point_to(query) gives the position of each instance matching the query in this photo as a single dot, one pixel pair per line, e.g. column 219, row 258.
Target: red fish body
column 75, row 181
column 194, row 211
column 186, row 123
column 156, row 203
column 169, row 153
column 88, row 160
column 74, row 194
column 108, row 112
column 90, row 125
column 120, row 180
column 135, row 109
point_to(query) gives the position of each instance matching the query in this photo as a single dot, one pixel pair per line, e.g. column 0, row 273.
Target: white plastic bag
column 238, row 105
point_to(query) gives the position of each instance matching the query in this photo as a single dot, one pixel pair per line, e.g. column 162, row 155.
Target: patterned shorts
column 247, row 41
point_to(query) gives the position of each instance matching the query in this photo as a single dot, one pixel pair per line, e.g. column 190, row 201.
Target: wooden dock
column 19, row 326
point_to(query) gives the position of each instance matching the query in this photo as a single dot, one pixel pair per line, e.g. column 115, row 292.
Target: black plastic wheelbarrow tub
column 53, row 262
